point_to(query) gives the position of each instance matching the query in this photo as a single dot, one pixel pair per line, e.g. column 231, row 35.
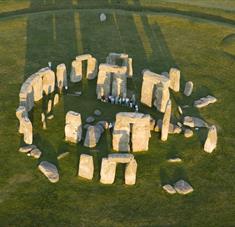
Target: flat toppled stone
column 173, row 160
column 60, row 156
column 50, row 171
column 120, row 158
column 194, row 122
column 182, row 187
column 86, row 166
column 27, row 148
column 97, row 113
column 36, row 153
column 188, row 133
column 169, row 189
column 211, row 140
column 188, row 88
column 90, row 119
column 202, row 102
column 51, row 116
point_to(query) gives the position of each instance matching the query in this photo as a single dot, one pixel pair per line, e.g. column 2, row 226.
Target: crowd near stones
column 131, row 131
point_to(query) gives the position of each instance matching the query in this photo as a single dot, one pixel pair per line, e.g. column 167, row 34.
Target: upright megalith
column 112, row 80
column 166, row 121
column 86, row 166
column 48, row 80
column 108, row 171
column 174, row 76
column 76, row 70
column 20, row 114
column 113, row 59
column 93, row 135
column 61, row 77
column 158, row 84
column 27, row 130
column 211, row 140
column 188, row 88
column 73, row 127
column 131, row 132
column 130, row 172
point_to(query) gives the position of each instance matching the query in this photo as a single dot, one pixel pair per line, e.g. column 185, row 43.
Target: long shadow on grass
column 51, row 37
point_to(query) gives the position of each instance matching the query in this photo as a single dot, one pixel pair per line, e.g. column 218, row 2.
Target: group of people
column 130, row 102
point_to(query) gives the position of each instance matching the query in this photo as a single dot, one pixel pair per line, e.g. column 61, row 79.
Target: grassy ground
column 204, row 51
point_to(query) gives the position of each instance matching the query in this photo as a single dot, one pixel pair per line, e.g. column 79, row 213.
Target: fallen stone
column 173, row 160
column 50, row 117
column 102, row 17
column 188, row 133
column 179, row 124
column 188, row 88
column 186, row 106
column 169, row 189
column 27, row 148
column 90, row 119
column 43, row 120
column 78, row 93
column 97, row 113
column 50, row 171
column 194, row 122
column 104, row 124
column 120, row 158
column 174, row 76
column 60, row 156
column 86, row 166
column 205, row 101
column 211, row 140
column 130, row 172
column 182, row 187
column 36, row 153
column 180, row 110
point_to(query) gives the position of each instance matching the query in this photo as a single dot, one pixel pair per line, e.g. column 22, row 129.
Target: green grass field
column 198, row 38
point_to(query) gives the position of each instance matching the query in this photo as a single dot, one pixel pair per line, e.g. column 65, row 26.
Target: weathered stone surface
column 97, row 113
column 93, row 135
column 27, row 130
column 90, row 119
column 188, row 88
column 162, row 96
column 166, row 121
column 49, row 106
column 20, row 114
column 194, row 122
column 188, row 133
column 73, row 127
column 130, row 172
column 50, row 171
column 108, row 171
column 169, row 189
column 174, row 76
column 152, row 124
column 150, row 80
column 60, row 156
column 211, row 141
column 43, row 120
column 205, row 101
column 92, row 69
column 174, row 129
column 86, row 166
column 158, row 126
column 26, row 149
column 56, row 99
column 120, row 157
column 182, row 187
column 36, row 153
column 61, row 76
column 48, row 80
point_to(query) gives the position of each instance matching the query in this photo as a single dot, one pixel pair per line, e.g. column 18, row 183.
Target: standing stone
column 43, row 120
column 91, row 68
column 130, row 172
column 50, row 171
column 166, row 121
column 56, row 99
column 76, row 71
column 194, row 122
column 102, row 17
column 49, row 106
column 27, row 130
column 130, row 68
column 188, row 88
column 108, row 171
column 73, row 127
column 20, row 114
column 174, row 76
column 211, row 140
column 48, row 80
column 37, row 86
column 86, row 166
column 61, row 76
